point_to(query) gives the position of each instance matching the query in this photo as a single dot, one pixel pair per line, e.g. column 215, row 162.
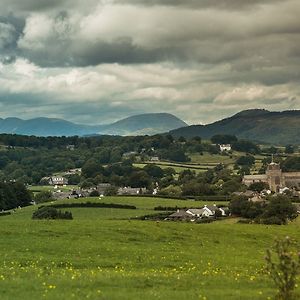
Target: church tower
column 275, row 178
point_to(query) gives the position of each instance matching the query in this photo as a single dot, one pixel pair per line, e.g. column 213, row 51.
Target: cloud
column 201, row 60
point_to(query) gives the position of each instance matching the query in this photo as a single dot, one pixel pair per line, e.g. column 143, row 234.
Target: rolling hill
column 134, row 125
column 144, row 124
column 256, row 124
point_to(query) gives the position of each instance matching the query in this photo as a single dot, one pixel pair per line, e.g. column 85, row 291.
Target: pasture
column 103, row 254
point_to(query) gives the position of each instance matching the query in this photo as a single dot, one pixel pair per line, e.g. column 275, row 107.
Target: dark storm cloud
column 121, row 51
column 210, row 37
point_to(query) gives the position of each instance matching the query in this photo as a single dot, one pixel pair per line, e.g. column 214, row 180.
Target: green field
column 177, row 167
column 102, row 254
column 40, row 188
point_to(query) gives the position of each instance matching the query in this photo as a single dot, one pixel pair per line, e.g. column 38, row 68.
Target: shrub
column 91, row 205
column 5, row 213
column 204, row 220
column 94, row 193
column 271, row 221
column 44, row 196
column 283, row 265
column 48, row 212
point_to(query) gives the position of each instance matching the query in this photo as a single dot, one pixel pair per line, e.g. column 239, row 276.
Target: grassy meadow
column 103, row 254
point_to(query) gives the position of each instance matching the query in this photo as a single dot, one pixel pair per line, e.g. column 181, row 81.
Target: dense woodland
column 27, row 159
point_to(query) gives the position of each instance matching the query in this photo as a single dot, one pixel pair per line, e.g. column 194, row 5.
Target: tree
column 247, row 160
column 74, row 179
column 154, row 171
column 223, row 139
column 231, row 186
column 289, row 149
column 171, row 191
column 291, row 164
column 178, row 155
column 91, row 169
column 245, row 146
column 238, row 204
column 139, row 179
column 258, row 186
column 280, row 207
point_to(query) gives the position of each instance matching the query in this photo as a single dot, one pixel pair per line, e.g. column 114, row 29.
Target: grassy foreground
column 103, row 255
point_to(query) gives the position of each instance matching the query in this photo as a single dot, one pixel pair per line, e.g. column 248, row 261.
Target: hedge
column 93, row 205
column 5, row 213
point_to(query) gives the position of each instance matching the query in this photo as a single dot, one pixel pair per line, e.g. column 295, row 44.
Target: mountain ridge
column 255, row 124
column 152, row 123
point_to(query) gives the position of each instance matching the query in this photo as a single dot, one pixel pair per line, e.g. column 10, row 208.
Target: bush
column 271, row 221
column 285, row 267
column 94, row 193
column 204, row 220
column 44, row 196
column 96, row 205
column 5, row 213
column 48, row 212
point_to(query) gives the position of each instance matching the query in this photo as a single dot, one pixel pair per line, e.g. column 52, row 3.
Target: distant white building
column 225, row 147
column 154, row 158
column 58, row 180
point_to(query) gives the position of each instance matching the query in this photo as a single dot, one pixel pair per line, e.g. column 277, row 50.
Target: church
column 275, row 178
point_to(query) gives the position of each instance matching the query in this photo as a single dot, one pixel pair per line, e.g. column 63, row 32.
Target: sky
column 95, row 62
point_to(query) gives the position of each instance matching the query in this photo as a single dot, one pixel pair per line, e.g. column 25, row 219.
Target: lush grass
column 41, row 188
column 101, row 254
column 144, row 203
column 178, row 167
column 213, row 159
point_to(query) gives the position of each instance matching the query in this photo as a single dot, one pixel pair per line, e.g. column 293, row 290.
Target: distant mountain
column 255, row 124
column 144, row 124
column 139, row 124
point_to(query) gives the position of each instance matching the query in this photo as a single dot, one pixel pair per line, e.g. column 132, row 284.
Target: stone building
column 275, row 178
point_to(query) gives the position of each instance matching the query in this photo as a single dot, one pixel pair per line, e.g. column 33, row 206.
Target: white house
column 199, row 213
column 206, row 211
column 225, row 147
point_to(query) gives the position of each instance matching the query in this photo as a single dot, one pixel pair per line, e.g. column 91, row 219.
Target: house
column 200, row 212
column 248, row 194
column 154, row 158
column 131, row 191
column 214, row 208
column 192, row 214
column 180, row 214
column 70, row 147
column 102, row 187
column 58, row 180
column 129, row 154
column 251, row 195
column 225, row 147
column 54, row 180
